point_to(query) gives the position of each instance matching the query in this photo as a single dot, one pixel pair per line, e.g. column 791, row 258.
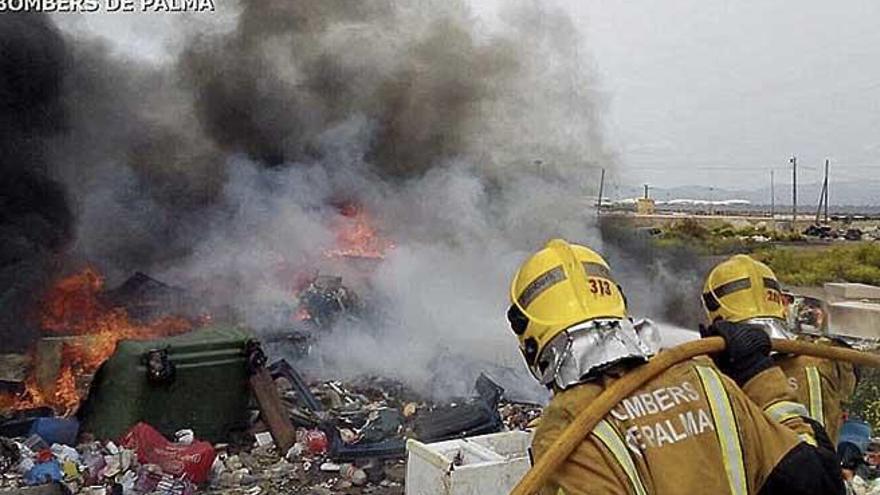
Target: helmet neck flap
column 774, row 327
column 576, row 354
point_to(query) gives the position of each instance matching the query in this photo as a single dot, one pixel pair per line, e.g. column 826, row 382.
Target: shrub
column 687, row 227
column 856, row 262
column 865, row 403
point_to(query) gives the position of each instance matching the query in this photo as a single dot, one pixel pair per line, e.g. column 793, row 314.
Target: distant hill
column 866, row 193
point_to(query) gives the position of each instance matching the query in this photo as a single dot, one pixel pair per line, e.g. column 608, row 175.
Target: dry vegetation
column 846, row 262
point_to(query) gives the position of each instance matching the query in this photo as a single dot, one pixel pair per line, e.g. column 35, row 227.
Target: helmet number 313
column 600, row 287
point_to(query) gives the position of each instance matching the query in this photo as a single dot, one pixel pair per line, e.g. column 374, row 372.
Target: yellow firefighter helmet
column 740, row 289
column 561, row 285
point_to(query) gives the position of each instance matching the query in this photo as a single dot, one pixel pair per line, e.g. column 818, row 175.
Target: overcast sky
column 708, row 92
column 715, row 92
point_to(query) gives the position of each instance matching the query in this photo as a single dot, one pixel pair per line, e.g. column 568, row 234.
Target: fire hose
column 584, row 423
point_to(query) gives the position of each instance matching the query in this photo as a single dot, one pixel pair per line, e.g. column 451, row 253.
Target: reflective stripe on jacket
column 668, row 436
column 822, row 386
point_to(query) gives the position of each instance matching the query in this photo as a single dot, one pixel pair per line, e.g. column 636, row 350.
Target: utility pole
column 601, row 192
column 793, row 161
column 823, row 196
column 772, row 195
column 827, row 165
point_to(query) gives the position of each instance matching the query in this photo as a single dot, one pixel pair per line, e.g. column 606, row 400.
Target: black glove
column 747, row 352
column 850, row 456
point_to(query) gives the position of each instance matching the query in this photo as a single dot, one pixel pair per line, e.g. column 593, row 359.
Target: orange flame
column 302, row 314
column 66, row 391
column 73, row 308
column 357, row 237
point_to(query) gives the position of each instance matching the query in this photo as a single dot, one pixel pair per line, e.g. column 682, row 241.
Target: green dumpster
column 198, row 380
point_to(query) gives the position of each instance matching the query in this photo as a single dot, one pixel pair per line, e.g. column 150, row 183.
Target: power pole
column 793, row 190
column 601, row 192
column 827, row 165
column 772, row 195
column 823, row 196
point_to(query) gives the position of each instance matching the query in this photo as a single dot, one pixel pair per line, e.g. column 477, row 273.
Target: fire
column 357, row 237
column 64, row 399
column 72, row 304
column 302, row 314
column 73, row 308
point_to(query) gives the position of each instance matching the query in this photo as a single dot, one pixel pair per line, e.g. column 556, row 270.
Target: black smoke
column 291, row 70
column 36, row 222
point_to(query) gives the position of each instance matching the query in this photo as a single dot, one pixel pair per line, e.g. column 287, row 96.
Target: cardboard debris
column 272, row 409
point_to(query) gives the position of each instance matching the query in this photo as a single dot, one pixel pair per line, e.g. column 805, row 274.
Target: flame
column 66, row 394
column 302, row 314
column 357, row 237
column 72, row 304
column 64, row 399
column 73, row 307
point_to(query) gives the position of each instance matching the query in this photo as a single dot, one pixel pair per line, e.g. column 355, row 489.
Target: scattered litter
column 44, row 472
column 192, row 462
column 346, row 437
column 264, row 439
column 185, row 437
column 56, row 430
column 65, row 453
column 354, row 474
column 316, row 441
column 295, row 452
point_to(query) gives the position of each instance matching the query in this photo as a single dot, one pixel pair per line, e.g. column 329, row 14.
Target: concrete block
column 854, row 319
column 847, row 291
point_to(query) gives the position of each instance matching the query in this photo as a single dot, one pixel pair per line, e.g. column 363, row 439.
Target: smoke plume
column 35, row 219
column 662, row 283
column 468, row 142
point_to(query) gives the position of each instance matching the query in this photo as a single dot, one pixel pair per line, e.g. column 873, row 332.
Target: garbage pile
column 142, row 462
column 178, row 409
column 373, row 410
column 347, row 438
column 354, row 434
column 325, row 300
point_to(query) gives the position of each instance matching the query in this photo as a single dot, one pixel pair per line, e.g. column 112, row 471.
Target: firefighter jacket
column 690, row 430
column 820, row 385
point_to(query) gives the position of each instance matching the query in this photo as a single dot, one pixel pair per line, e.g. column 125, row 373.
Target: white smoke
column 442, row 288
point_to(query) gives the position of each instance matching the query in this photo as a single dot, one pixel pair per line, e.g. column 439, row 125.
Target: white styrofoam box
column 483, row 465
column 840, row 291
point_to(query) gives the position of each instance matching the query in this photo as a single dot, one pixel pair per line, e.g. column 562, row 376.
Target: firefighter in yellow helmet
column 689, row 430
column 742, row 290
